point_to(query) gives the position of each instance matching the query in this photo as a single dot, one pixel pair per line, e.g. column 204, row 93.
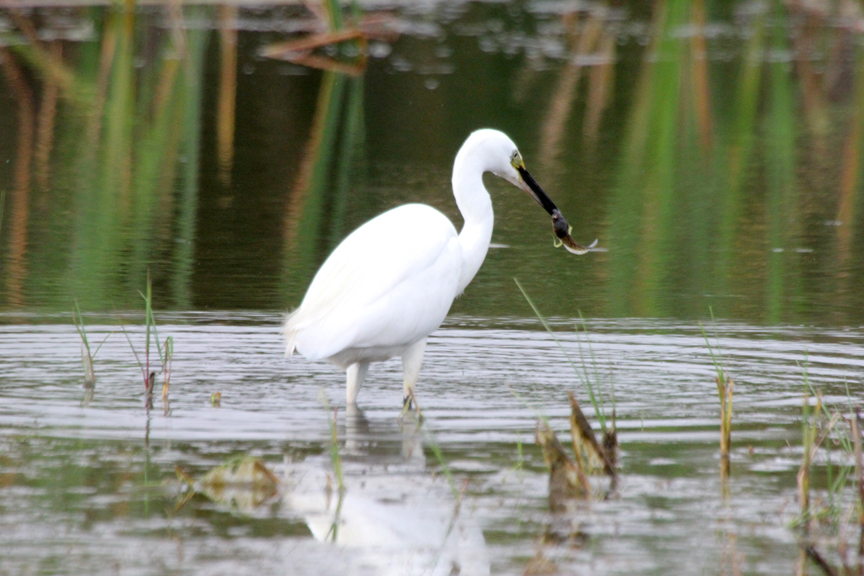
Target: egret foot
column 407, row 401
column 406, row 406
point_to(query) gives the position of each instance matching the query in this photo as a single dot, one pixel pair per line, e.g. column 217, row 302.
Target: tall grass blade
column 335, row 457
column 439, row 456
column 598, row 408
column 166, row 370
column 725, row 387
column 86, row 356
column 859, row 476
column 135, row 353
column 334, row 14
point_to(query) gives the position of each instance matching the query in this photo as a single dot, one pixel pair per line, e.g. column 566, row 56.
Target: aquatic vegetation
column 828, row 531
column 725, row 386
column 87, row 356
column 242, row 483
column 335, row 457
column 584, row 376
column 329, row 28
column 591, row 457
column 439, row 456
column 568, row 477
column 165, row 352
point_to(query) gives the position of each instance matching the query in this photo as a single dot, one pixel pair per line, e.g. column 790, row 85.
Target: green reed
column 87, row 355
column 725, row 386
column 584, row 376
column 335, row 456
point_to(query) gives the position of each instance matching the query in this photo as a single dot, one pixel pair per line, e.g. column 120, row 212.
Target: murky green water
column 714, row 149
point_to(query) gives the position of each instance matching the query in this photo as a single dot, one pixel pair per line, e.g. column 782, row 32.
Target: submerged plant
column 569, row 478
column 335, row 456
column 165, row 352
column 87, row 356
column 242, row 483
column 817, row 515
column 725, row 385
column 444, row 467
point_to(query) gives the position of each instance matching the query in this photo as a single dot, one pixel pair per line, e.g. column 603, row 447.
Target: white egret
column 391, row 282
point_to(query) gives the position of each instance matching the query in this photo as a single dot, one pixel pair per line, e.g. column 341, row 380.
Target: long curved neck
column 476, row 208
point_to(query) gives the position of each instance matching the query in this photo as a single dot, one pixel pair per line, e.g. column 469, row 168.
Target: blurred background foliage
column 714, row 148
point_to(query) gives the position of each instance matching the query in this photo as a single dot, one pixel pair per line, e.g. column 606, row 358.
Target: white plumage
column 391, row 282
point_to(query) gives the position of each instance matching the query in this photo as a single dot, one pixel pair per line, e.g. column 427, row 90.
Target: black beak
column 536, row 192
column 560, row 227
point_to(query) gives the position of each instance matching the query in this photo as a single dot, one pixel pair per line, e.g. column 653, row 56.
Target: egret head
column 493, row 151
column 497, row 153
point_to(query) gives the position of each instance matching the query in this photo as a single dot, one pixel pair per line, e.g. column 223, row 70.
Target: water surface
column 90, row 486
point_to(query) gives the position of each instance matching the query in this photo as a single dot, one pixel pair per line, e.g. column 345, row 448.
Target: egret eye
column 516, row 159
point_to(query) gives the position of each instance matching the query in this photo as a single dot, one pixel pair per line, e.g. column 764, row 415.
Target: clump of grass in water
column 817, row 426
column 568, row 479
column 725, row 386
column 241, row 483
column 336, row 462
column 87, row 356
column 166, row 352
column 335, row 457
column 584, row 375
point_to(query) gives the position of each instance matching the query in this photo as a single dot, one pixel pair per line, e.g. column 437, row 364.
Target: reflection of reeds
column 646, row 194
column 45, row 124
column 699, row 71
column 19, row 209
column 737, row 156
column 225, row 110
column 121, row 153
column 850, row 175
column 316, row 159
column 190, row 144
column 318, row 202
column 600, row 84
column 680, row 217
column 48, row 61
column 332, row 31
column 563, row 98
column 782, row 200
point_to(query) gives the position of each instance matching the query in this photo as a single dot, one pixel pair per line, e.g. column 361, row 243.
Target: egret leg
column 412, row 359
column 356, row 375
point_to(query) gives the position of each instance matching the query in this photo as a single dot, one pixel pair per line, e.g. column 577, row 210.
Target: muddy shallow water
column 89, row 483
